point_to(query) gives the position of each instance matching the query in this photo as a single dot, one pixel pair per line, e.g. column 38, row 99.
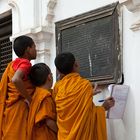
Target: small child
column 42, row 114
column 15, row 89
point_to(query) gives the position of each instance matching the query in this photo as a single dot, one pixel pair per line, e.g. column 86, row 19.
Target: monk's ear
column 50, row 77
column 76, row 67
column 76, row 64
column 27, row 50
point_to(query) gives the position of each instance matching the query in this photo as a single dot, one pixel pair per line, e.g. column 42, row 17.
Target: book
column 120, row 94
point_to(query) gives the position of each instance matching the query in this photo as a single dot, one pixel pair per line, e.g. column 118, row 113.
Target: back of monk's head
column 21, row 43
column 64, row 62
column 39, row 74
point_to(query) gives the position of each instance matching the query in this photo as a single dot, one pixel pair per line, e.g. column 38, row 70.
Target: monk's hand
column 108, row 103
column 96, row 89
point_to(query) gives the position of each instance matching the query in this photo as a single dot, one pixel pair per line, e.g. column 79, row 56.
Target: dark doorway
column 5, row 44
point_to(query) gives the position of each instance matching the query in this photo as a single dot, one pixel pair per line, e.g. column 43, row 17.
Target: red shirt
column 22, row 64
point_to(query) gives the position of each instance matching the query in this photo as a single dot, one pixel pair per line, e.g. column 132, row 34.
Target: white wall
column 66, row 9
column 128, row 68
column 131, row 69
column 3, row 6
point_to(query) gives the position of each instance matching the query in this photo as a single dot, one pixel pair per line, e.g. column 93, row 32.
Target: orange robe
column 77, row 116
column 42, row 106
column 13, row 109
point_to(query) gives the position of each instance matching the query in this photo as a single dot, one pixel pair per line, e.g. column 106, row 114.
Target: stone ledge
column 38, row 34
column 135, row 26
column 132, row 5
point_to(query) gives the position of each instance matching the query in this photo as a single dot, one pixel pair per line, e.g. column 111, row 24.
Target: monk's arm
column 19, row 84
column 108, row 103
column 52, row 124
column 96, row 89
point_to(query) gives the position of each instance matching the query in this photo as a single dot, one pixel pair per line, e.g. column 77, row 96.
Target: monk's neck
column 45, row 87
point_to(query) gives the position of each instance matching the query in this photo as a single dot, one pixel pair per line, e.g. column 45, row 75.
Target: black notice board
column 93, row 38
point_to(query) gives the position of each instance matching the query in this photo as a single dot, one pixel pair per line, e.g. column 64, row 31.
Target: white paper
column 119, row 93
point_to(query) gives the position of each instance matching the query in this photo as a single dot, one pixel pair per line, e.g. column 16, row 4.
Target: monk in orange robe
column 16, row 91
column 77, row 116
column 42, row 113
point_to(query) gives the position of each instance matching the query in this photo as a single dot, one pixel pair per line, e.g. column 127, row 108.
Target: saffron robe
column 13, row 109
column 77, row 116
column 42, row 107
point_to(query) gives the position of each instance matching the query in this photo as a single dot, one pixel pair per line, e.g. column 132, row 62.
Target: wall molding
column 40, row 33
column 43, row 51
column 133, row 6
column 15, row 12
column 135, row 26
column 50, row 13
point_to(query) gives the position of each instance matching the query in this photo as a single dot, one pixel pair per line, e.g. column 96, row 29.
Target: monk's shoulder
column 86, row 82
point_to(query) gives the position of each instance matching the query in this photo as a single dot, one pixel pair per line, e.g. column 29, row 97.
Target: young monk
column 16, row 91
column 77, row 116
column 42, row 114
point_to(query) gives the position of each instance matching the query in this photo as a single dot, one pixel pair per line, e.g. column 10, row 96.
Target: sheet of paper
column 120, row 93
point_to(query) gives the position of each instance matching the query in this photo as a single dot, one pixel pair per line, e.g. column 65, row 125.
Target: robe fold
column 77, row 116
column 42, row 107
column 13, row 109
